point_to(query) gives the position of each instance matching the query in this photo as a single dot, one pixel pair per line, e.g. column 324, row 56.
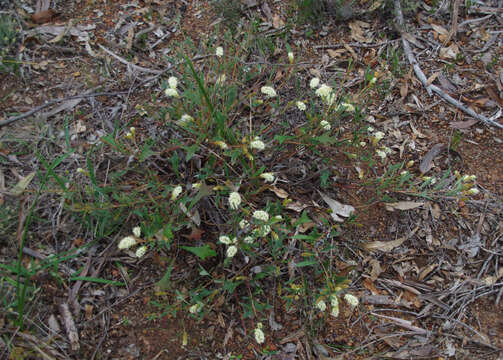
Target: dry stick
column 71, row 329
column 52, row 102
column 454, row 26
column 358, row 45
column 124, row 61
column 429, row 88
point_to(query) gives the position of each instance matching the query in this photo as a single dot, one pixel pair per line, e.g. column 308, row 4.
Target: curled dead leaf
column 282, row 194
column 337, row 208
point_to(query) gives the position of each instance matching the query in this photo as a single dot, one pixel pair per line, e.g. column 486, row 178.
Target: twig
column 337, row 46
column 124, row 61
column 403, row 323
column 71, row 329
column 432, row 88
column 76, row 287
column 471, row 21
column 38, row 255
column 454, row 26
column 52, row 102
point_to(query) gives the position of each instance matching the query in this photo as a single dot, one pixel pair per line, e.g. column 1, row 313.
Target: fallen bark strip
column 432, row 88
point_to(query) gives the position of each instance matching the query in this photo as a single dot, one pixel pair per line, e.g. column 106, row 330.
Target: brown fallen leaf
column 494, row 96
column 385, row 245
column 282, row 194
column 195, row 234
column 404, row 205
column 45, row 16
column 463, row 124
column 426, row 163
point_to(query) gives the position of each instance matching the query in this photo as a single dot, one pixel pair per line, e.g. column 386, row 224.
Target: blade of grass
column 97, row 280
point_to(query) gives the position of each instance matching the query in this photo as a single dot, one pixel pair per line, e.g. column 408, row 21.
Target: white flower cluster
column 185, row 119
column 314, row 83
column 177, row 190
column 130, row 241
column 234, row 200
column 383, row 152
column 334, row 303
column 326, row 94
column 219, row 51
column 261, row 215
column 232, row 249
column 257, row 144
column 269, row 91
column 259, row 334
column 197, row 307
column 171, row 90
column 346, row 107
column 267, row 176
column 301, row 106
column 325, row 125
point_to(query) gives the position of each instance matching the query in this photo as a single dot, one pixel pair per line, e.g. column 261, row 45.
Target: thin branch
column 56, row 101
column 432, row 88
column 124, row 61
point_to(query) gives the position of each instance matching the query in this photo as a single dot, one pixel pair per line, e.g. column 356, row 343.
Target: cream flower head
column 137, row 231
column 176, row 191
column 257, row 144
column 321, row 305
column 314, row 83
column 219, row 51
column 224, row 239
column 267, row 176
column 126, row 242
column 170, row 92
column 234, row 200
column 261, row 215
column 141, row 251
column 325, row 125
column 351, row 300
column 172, row 82
column 300, row 105
column 259, row 334
column 269, row 91
column 231, row 251
column 324, row 91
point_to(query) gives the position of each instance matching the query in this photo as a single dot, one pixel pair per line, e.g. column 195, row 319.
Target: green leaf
column 325, row 139
column 282, row 138
column 165, row 282
column 97, row 280
column 303, row 219
column 306, row 263
column 201, row 251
